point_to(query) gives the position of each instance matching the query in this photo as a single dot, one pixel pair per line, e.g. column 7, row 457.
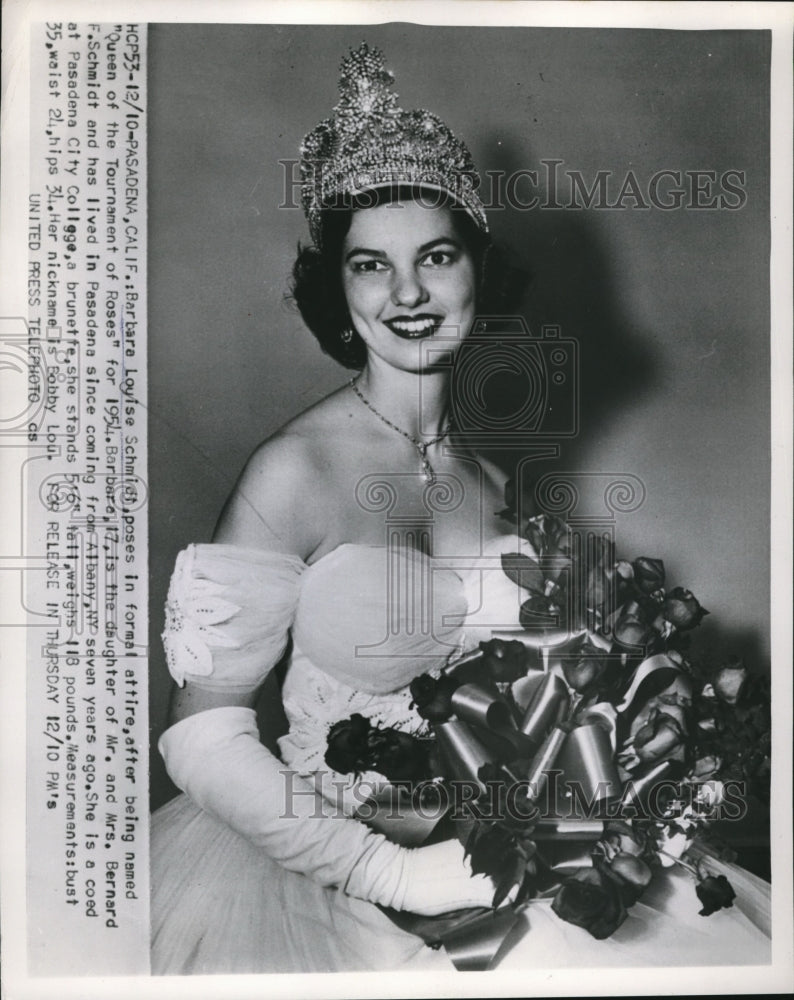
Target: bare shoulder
column 274, row 504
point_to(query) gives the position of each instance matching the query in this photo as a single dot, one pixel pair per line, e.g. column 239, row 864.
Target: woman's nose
column 407, row 289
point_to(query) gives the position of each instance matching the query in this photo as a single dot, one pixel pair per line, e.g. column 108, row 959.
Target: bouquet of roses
column 588, row 751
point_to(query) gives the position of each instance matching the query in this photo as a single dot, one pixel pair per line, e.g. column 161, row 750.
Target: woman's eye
column 368, row 266
column 437, row 258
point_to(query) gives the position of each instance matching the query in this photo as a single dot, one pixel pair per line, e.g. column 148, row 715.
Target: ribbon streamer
column 605, row 716
column 636, row 794
column 475, row 946
column 548, row 706
column 544, row 760
column 472, row 938
column 586, row 760
column 463, row 752
column 475, row 704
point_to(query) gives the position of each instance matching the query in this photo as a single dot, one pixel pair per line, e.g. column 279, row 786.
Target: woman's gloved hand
column 216, row 758
column 438, row 879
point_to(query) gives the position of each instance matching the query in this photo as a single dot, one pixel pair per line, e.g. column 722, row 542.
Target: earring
column 347, row 335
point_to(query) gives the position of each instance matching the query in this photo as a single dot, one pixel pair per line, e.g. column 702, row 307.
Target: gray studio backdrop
column 670, row 308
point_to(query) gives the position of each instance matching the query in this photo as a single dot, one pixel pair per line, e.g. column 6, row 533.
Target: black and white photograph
column 398, row 458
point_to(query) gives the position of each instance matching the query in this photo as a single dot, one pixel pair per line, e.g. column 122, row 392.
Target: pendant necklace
column 428, row 474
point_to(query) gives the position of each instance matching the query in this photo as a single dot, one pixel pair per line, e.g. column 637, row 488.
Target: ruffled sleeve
column 228, row 614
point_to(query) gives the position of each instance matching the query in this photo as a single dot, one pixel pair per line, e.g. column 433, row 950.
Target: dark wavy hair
column 317, row 273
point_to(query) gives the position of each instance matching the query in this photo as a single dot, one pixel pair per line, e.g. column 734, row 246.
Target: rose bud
column 505, row 661
column 682, row 609
column 715, row 892
column 648, row 574
column 659, row 739
column 582, row 672
column 589, row 899
column 348, row 745
column 729, row 680
column 433, row 698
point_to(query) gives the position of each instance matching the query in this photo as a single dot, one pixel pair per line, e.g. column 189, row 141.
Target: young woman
column 340, row 550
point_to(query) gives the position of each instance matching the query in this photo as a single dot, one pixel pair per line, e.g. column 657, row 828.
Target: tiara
column 371, row 142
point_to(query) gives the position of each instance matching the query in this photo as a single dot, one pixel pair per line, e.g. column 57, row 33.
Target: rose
column 399, row 756
column 590, row 899
column 715, row 892
column 660, row 738
column 618, row 853
column 682, row 609
column 433, row 698
column 587, row 668
column 348, row 745
column 631, row 628
column 729, row 680
column 648, row 574
column 506, row 661
column 633, row 874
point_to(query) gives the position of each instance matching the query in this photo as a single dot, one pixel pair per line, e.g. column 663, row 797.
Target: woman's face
column 409, row 281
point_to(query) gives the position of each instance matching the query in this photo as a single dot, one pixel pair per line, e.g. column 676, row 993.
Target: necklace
column 428, row 474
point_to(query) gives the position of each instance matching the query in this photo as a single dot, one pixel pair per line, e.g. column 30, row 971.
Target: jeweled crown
column 371, row 142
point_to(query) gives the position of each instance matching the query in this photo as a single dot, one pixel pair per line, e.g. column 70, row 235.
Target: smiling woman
column 353, row 551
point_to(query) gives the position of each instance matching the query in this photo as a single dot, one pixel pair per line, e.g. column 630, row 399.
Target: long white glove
column 216, row 758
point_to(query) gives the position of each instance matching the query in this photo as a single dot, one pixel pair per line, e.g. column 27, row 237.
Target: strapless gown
column 364, row 621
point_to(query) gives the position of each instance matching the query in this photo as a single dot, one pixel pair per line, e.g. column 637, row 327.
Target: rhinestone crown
column 371, row 142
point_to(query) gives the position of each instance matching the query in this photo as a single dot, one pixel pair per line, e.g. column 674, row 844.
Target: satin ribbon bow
column 552, row 738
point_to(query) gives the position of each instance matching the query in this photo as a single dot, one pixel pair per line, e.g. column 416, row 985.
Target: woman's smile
column 414, row 327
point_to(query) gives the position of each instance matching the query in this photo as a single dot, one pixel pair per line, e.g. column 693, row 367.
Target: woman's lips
column 414, row 327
